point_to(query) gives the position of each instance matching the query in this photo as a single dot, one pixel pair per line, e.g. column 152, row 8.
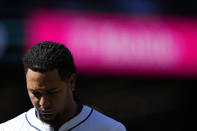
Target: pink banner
column 114, row 44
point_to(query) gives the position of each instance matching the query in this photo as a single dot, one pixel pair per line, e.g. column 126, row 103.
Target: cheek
column 60, row 99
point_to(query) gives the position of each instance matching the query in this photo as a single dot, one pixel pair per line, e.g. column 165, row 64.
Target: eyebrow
column 51, row 89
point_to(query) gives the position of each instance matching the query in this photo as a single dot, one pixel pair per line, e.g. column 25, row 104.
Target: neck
column 68, row 114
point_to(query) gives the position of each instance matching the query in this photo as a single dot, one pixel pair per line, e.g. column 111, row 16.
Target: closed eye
column 52, row 92
column 35, row 93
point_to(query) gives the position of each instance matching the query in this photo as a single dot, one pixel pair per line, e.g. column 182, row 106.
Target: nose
column 44, row 102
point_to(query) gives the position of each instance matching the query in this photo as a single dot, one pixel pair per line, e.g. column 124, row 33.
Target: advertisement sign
column 117, row 44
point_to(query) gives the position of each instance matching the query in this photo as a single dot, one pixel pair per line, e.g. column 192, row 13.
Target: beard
column 52, row 119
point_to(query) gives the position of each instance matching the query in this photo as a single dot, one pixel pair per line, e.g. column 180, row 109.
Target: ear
column 72, row 81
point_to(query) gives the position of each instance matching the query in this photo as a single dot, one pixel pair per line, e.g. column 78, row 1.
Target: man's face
column 51, row 96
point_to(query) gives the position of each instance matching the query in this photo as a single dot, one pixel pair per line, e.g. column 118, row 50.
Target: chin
column 52, row 120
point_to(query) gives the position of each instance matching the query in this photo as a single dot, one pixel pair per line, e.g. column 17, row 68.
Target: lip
column 46, row 112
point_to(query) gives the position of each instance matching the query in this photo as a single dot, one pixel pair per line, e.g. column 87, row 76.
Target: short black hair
column 46, row 56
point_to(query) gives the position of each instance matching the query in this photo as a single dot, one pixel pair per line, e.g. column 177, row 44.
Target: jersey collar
column 72, row 123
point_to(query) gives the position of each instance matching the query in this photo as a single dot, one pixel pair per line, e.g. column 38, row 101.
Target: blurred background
column 136, row 59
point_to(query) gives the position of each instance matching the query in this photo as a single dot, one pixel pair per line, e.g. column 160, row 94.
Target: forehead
column 37, row 79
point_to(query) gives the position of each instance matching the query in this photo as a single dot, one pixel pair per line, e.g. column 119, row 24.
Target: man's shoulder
column 16, row 119
column 14, row 123
column 103, row 120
